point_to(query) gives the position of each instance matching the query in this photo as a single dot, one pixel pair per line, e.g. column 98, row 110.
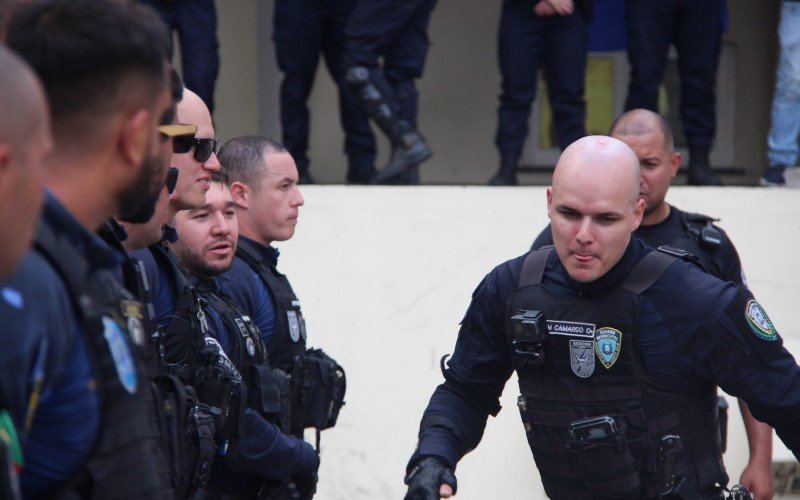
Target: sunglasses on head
column 203, row 148
column 172, row 179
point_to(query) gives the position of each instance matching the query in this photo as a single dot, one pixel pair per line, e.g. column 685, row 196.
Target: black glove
column 425, row 478
column 306, row 486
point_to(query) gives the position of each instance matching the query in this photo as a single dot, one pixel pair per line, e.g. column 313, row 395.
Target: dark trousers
column 695, row 28
column 303, row 30
column 527, row 42
column 196, row 24
column 397, row 31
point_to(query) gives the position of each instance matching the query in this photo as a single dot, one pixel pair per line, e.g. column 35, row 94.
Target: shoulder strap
column 533, row 266
column 649, row 268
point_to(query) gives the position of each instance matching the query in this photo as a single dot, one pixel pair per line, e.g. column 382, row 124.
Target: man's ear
column 241, row 194
column 134, row 137
column 549, row 201
column 675, row 164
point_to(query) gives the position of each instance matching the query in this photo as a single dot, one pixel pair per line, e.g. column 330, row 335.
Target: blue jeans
column 782, row 139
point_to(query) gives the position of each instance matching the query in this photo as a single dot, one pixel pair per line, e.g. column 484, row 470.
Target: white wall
column 385, row 275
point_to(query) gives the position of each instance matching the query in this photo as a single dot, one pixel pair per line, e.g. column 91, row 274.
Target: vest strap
column 647, row 271
column 533, row 266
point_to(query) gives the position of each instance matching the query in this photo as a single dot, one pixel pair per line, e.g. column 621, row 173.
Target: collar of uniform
column 268, row 252
column 97, row 251
column 169, row 234
column 206, row 284
column 614, row 277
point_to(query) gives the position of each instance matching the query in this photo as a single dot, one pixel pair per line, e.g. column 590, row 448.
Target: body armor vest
column 139, row 314
column 213, row 415
column 597, row 425
column 317, row 384
column 125, row 461
column 694, row 242
column 268, row 388
column 288, row 343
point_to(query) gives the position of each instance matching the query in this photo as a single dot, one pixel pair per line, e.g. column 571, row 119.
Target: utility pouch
column 606, row 461
column 323, row 388
column 171, row 400
column 199, row 438
column 269, row 394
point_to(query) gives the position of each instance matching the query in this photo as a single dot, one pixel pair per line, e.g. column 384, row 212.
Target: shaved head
column 22, row 100
column 599, row 160
column 25, row 142
column 594, row 205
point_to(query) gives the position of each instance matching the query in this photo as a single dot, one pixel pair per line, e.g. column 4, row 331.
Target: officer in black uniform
column 269, row 463
column 394, row 32
column 87, row 413
column 533, row 34
column 650, row 137
column 264, row 186
column 304, row 29
column 618, row 348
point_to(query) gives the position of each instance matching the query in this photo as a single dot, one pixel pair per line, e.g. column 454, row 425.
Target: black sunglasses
column 172, row 179
column 203, row 148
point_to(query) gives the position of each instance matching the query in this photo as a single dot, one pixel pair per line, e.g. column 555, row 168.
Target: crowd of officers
column 137, row 364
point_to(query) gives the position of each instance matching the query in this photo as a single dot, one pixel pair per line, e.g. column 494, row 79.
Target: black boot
column 700, row 173
column 409, row 148
column 507, row 174
column 406, row 156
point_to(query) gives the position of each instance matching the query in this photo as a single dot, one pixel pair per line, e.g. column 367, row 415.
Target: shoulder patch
column 121, row 354
column 759, row 322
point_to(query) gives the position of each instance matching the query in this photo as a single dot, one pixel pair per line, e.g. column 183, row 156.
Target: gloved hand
column 306, row 486
column 426, row 477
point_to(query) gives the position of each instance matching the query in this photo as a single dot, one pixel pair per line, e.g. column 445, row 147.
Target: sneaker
column 774, row 177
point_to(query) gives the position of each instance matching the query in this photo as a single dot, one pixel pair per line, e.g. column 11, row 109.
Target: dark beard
column 137, row 204
column 194, row 262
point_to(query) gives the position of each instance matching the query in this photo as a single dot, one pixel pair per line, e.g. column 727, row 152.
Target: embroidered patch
column 134, row 313
column 607, row 344
column 294, row 325
column 121, row 354
column 759, row 322
column 581, row 353
column 570, row 328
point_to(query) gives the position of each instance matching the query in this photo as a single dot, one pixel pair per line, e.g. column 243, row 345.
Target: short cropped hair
column 243, row 158
column 85, row 50
column 220, row 177
column 642, row 121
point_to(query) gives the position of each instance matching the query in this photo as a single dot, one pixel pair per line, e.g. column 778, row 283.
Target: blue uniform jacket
column 44, row 356
column 691, row 326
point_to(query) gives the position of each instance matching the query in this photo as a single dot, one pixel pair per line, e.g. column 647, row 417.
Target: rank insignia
column 581, row 354
column 759, row 322
column 607, row 344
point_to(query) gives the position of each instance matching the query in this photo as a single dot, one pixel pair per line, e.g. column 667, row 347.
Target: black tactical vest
column 216, row 390
column 139, row 313
column 268, row 387
column 288, row 343
column 126, row 461
column 597, row 425
column 700, row 238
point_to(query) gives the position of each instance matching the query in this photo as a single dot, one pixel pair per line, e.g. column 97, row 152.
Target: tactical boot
column 407, row 154
column 507, row 174
column 408, row 146
column 700, row 173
